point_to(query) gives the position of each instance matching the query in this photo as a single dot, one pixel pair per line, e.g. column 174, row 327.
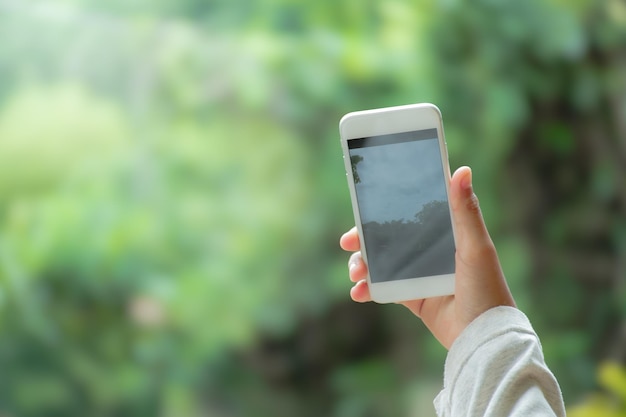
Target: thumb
column 480, row 280
column 472, row 237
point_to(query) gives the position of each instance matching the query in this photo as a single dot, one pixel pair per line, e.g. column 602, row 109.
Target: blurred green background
column 172, row 194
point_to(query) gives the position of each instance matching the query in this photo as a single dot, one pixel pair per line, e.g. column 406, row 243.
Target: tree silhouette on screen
column 354, row 161
column 395, row 244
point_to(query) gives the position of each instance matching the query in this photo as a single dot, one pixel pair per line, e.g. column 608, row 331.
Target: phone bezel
column 385, row 121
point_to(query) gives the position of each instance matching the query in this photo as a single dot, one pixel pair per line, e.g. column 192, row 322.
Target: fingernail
column 351, row 266
column 466, row 181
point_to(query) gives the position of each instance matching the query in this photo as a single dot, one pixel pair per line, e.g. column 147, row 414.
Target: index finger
column 350, row 240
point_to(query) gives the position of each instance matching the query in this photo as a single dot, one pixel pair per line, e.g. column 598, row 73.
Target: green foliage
column 74, row 135
column 612, row 403
column 171, row 194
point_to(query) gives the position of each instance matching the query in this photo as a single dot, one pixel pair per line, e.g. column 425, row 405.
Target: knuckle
column 478, row 255
column 473, row 205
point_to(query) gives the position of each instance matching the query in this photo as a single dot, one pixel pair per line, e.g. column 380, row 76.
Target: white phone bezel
column 385, row 121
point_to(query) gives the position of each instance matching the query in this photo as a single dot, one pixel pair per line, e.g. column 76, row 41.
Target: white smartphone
column 398, row 174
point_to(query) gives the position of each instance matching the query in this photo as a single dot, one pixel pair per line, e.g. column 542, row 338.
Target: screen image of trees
column 401, row 249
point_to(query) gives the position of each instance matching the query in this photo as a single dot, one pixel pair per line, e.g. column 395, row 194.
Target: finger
column 361, row 292
column 356, row 267
column 350, row 240
column 470, row 229
column 481, row 277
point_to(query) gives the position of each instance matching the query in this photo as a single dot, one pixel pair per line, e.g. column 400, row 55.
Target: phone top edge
column 364, row 123
column 392, row 109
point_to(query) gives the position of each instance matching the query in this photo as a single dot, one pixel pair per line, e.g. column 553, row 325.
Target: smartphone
column 398, row 174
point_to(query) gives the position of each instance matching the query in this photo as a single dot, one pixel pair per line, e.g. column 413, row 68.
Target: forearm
column 496, row 368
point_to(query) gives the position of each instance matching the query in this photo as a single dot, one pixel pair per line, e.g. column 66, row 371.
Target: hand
column 480, row 283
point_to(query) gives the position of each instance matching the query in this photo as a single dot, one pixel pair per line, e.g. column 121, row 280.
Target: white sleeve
column 496, row 368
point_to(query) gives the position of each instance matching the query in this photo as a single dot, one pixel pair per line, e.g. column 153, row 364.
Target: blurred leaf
column 613, row 377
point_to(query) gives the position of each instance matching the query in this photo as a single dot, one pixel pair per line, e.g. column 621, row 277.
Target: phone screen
column 403, row 205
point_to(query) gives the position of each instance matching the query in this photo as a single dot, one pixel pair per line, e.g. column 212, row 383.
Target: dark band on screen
column 393, row 138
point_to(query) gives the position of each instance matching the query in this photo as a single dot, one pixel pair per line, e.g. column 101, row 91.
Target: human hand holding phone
column 480, row 284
